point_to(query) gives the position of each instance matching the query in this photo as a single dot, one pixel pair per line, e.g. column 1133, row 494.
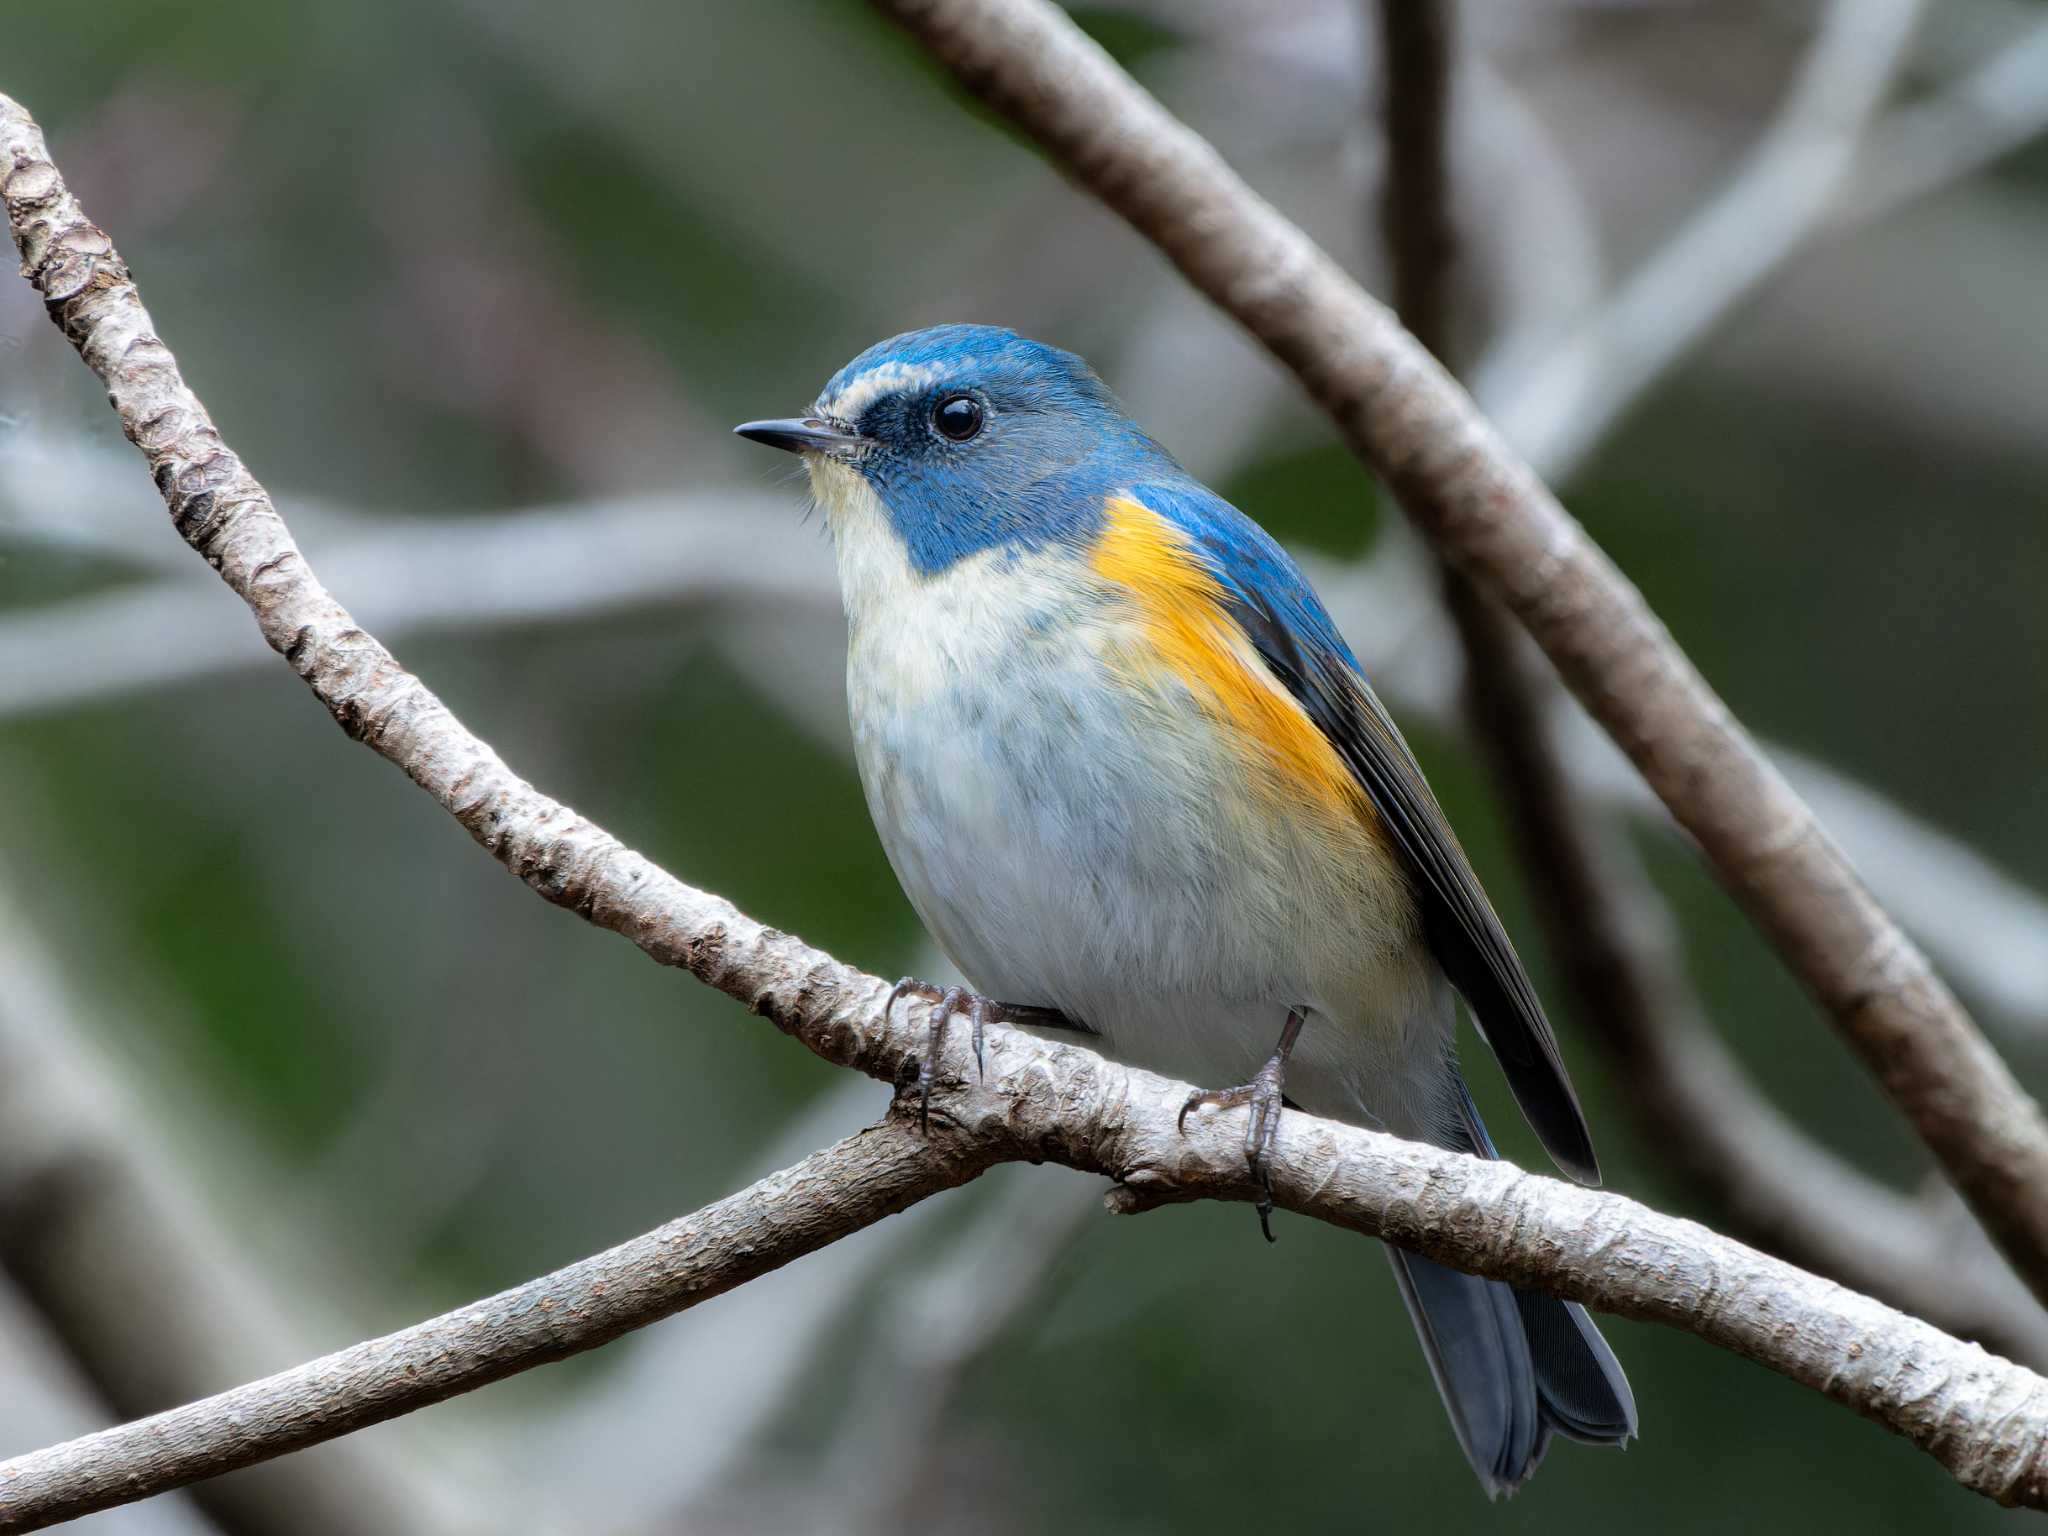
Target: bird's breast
column 1074, row 819
column 1097, row 799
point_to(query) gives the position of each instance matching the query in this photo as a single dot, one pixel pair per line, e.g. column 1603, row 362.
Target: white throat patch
column 874, row 565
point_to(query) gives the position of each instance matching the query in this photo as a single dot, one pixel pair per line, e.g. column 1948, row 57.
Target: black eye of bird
column 958, row 417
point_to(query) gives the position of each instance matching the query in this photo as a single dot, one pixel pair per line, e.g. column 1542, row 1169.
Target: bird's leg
column 1262, row 1093
column 980, row 1011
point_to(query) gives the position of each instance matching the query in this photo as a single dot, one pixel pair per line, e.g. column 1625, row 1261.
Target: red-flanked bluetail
column 1132, row 778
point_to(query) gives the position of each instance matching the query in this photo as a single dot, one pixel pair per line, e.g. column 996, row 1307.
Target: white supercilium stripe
column 882, row 379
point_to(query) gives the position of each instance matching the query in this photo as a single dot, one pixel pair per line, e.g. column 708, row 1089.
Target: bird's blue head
column 970, row 438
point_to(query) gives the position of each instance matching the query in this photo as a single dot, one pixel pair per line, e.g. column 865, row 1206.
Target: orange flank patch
column 1180, row 605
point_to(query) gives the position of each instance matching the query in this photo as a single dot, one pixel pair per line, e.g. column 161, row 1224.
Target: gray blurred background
column 478, row 286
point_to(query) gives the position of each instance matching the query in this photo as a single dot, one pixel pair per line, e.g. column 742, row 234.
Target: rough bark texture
column 1490, row 514
column 1983, row 1418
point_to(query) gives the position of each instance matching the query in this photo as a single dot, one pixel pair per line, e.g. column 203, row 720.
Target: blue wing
column 1286, row 622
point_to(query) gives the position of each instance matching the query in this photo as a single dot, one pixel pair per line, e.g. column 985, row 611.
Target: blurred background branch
column 1778, row 199
column 142, row 1288
column 829, row 1195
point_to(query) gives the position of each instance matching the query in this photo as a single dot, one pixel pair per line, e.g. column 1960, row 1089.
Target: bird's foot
column 980, row 1011
column 1264, row 1096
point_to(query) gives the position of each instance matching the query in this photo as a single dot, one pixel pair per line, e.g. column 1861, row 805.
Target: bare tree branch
column 133, row 1277
column 1406, row 418
column 1774, row 204
column 934, row 1331
column 1959, row 129
column 652, row 1440
column 1613, row 939
column 1417, row 77
column 848, row 1186
column 1981, row 1417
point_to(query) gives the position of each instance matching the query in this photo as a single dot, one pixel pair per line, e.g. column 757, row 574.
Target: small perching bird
column 1133, row 780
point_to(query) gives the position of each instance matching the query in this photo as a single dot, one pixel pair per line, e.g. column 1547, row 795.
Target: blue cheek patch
column 994, row 499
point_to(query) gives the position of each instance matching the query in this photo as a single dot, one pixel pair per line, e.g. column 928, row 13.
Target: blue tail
column 1514, row 1367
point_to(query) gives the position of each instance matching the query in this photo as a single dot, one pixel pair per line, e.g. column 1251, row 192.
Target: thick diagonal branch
column 1487, row 510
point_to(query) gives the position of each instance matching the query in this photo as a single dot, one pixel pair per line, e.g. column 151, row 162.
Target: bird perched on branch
column 1132, row 779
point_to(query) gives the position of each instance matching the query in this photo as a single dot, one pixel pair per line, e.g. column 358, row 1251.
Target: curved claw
column 942, row 1014
column 905, row 985
column 1213, row 1098
column 980, row 1011
column 1262, row 1129
column 1260, row 1138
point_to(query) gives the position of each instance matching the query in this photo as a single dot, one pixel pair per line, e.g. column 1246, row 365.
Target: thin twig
column 589, row 559
column 1959, row 129
column 1468, row 491
column 933, row 1333
column 1555, row 399
column 850, row 1185
column 134, row 1279
column 652, row 1441
column 1773, row 206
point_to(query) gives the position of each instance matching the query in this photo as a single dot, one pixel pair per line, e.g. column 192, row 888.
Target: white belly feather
column 1073, row 844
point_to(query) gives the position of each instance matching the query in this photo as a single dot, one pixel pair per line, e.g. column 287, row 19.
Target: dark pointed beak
column 808, row 435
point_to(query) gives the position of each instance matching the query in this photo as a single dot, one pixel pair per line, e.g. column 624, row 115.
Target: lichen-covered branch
column 1983, row 1418
column 1490, row 514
